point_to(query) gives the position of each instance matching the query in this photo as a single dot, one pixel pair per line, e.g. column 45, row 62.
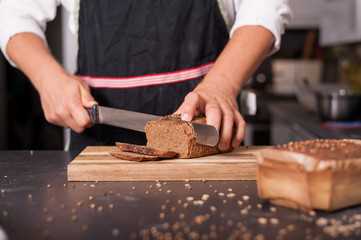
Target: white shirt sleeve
column 274, row 15
column 24, row 16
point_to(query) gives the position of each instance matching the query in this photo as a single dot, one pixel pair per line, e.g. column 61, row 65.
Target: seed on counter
column 240, row 203
column 133, row 188
column 73, row 210
column 273, row 209
column 45, row 210
column 274, row 221
column 2, row 191
column 65, row 185
column 185, row 205
column 163, row 207
column 74, row 218
column 147, row 192
column 249, row 206
column 262, row 220
column 205, row 197
column 291, row 227
column 190, row 198
column 111, row 205
column 224, row 201
column 92, row 185
column 169, row 191
column 321, row 222
column 213, row 208
column 150, row 186
column 179, row 201
column 162, row 215
column 46, row 233
column 166, row 225
column 5, row 213
column 92, row 206
column 84, row 228
column 38, row 228
column 30, row 196
column 210, row 185
column 100, row 209
column 182, row 216
column 115, row 232
column 220, row 194
column 230, row 195
column 48, row 186
column 244, row 211
column 230, row 190
column 90, row 198
column 50, row 219
column 246, row 197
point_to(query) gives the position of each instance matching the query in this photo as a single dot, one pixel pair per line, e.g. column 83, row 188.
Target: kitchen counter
column 37, row 202
column 291, row 117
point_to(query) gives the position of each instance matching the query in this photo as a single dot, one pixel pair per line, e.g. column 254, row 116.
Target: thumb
column 190, row 105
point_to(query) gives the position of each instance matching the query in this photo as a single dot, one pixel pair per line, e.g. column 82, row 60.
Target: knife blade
column 205, row 134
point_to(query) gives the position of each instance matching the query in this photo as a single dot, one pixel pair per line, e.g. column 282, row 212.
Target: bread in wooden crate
column 314, row 174
column 170, row 133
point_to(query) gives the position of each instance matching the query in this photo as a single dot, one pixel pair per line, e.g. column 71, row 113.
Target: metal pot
column 340, row 105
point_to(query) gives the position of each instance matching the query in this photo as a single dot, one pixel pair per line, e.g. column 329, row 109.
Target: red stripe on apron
column 147, row 80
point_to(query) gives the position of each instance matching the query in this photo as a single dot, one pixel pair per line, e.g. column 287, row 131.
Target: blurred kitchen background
column 320, row 52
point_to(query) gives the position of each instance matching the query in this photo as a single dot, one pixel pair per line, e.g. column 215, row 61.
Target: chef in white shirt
column 149, row 56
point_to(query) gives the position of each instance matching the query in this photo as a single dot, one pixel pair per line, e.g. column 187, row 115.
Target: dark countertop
column 140, row 209
column 293, row 112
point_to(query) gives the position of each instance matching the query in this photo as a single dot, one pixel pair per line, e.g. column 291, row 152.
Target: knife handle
column 93, row 114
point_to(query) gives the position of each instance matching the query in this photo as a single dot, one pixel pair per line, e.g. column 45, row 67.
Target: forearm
column 32, row 56
column 242, row 55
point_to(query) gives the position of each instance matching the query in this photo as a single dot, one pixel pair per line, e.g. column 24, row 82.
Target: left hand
column 221, row 109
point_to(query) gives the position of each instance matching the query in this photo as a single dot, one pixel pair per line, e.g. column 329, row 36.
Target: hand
column 63, row 98
column 221, row 109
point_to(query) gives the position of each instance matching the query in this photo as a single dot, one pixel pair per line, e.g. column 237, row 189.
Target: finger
column 191, row 103
column 226, row 132
column 240, row 130
column 214, row 115
column 86, row 97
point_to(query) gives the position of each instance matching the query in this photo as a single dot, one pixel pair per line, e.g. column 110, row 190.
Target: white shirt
column 17, row 16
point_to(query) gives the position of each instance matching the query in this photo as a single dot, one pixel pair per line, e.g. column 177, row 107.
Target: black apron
column 144, row 56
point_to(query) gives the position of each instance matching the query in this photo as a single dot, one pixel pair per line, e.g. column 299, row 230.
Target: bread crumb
column 213, row 208
column 50, row 219
column 48, row 186
column 321, row 222
column 182, row 216
column 30, row 196
column 111, row 205
column 230, row 195
column 240, row 203
column 291, row 227
column 190, row 198
column 220, row 194
column 259, row 205
column 63, row 206
column 162, row 215
column 90, row 198
column 92, row 185
column 92, row 206
column 272, row 209
column 100, row 209
column 169, row 191
column 5, row 213
column 244, row 211
column 205, row 197
column 45, row 210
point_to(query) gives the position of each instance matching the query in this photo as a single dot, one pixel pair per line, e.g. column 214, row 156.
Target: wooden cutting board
column 95, row 164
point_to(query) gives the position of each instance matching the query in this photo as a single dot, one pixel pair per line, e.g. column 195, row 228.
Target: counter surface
column 37, row 202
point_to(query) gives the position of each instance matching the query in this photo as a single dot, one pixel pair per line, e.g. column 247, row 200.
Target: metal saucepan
column 338, row 105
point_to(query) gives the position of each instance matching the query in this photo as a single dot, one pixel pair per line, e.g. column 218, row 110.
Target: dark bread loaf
column 170, row 133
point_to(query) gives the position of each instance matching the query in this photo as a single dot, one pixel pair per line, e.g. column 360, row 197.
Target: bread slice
column 127, row 147
column 131, row 156
column 320, row 174
column 170, row 133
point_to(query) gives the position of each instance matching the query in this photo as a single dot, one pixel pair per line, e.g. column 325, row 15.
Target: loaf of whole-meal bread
column 320, row 174
column 170, row 133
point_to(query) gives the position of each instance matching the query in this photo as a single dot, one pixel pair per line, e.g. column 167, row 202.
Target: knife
column 205, row 134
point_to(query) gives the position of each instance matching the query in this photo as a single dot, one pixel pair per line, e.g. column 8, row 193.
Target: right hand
column 63, row 99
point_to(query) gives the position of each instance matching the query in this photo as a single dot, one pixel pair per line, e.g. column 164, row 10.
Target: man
column 155, row 57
